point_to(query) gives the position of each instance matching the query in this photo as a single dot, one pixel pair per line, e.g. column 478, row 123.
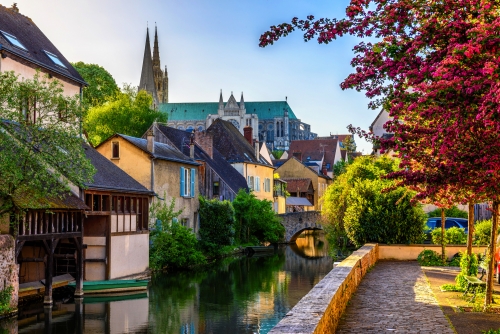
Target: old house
column 116, row 229
column 377, row 128
column 160, row 168
column 293, row 169
column 244, row 155
column 319, row 154
column 301, row 194
column 216, row 177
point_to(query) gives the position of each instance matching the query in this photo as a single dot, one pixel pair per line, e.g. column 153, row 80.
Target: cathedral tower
column 160, row 77
column 147, row 81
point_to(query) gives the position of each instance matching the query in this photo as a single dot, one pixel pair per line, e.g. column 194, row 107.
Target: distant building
column 377, row 128
column 274, row 122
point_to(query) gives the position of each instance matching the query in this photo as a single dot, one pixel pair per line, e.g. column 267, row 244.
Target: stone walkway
column 394, row 297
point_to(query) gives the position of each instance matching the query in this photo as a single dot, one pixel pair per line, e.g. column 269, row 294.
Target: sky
column 209, row 45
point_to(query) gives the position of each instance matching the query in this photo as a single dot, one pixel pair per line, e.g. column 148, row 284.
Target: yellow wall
column 26, row 72
column 295, row 169
column 262, row 171
column 280, row 204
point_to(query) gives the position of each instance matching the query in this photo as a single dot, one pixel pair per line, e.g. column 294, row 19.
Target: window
column 267, row 185
column 250, row 182
column 216, row 188
column 54, row 59
column 115, row 148
column 185, row 222
column 187, row 186
column 13, row 40
column 257, row 183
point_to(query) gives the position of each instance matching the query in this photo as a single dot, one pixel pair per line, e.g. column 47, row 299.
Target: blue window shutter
column 193, row 176
column 182, row 181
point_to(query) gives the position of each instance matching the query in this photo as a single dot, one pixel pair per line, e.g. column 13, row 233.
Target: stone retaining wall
column 410, row 252
column 8, row 267
column 320, row 310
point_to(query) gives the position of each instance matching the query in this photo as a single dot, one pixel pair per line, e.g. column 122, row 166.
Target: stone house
column 161, row 168
column 244, row 155
column 216, row 177
column 295, row 169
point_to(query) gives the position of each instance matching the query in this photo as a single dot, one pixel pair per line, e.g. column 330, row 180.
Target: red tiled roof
column 315, row 149
column 294, row 185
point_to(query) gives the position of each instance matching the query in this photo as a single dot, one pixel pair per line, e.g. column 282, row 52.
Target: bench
column 473, row 282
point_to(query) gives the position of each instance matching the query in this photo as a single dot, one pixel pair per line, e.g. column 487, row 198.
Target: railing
column 38, row 223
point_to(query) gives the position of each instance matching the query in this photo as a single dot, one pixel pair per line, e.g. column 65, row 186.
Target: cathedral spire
column 242, row 102
column 221, row 101
column 147, row 82
column 156, row 51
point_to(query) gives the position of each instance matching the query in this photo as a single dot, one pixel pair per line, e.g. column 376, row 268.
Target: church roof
column 200, row 110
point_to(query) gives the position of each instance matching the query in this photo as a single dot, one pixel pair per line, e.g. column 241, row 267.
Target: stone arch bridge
column 297, row 222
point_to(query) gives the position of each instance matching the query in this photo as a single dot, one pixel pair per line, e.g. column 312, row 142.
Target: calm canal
column 238, row 295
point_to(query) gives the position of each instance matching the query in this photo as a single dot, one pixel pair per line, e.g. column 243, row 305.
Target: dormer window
column 54, row 59
column 13, row 40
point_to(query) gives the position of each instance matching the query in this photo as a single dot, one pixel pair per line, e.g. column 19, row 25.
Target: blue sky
column 210, row 45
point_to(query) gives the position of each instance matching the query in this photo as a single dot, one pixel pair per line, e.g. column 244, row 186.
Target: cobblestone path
column 394, row 297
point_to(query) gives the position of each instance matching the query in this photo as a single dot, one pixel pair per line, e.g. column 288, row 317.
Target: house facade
column 161, row 168
column 319, row 154
column 295, row 169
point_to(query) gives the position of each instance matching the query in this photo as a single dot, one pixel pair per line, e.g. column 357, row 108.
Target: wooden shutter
column 182, row 181
column 193, row 178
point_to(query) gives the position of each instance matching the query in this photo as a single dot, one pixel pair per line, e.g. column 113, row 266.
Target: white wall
column 129, row 254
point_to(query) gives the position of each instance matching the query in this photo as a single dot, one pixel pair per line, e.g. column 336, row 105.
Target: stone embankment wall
column 320, row 310
column 410, row 252
column 8, row 267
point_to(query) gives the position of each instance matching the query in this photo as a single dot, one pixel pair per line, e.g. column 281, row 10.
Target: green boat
column 112, row 286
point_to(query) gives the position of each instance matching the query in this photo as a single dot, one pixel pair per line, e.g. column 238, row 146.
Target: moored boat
column 111, row 286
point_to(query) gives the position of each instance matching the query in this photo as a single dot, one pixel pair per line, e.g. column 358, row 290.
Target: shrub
column 467, row 261
column 216, row 225
column 452, row 236
column 5, row 297
column 429, row 258
column 451, row 212
column 482, row 232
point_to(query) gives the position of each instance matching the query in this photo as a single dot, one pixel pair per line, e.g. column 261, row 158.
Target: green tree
column 41, row 150
column 101, row 88
column 216, row 224
column 450, row 212
column 364, row 207
column 277, row 154
column 128, row 112
column 255, row 219
column 348, row 145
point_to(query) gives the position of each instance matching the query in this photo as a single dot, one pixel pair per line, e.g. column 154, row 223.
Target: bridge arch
column 297, row 222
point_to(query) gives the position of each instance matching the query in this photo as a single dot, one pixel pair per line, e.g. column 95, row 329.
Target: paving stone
column 394, row 297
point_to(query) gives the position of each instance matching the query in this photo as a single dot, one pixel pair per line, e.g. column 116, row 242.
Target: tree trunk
column 443, row 247
column 471, row 229
column 491, row 257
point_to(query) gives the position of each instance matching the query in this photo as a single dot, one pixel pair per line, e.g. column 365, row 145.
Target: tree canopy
column 41, row 149
column 128, row 112
column 102, row 86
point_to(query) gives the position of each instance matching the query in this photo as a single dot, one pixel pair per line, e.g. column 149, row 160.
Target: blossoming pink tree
column 434, row 66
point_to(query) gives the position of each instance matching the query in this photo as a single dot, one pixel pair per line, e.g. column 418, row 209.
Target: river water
column 237, row 295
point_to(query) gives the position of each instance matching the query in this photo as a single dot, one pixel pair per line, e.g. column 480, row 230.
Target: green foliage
column 451, row 212
column 277, row 154
column 482, row 232
column 255, row 220
column 172, row 245
column 452, row 236
column 39, row 155
column 216, row 225
column 348, row 144
column 429, row 258
column 450, row 288
column 469, row 266
column 5, row 296
column 340, row 167
column 101, row 88
column 128, row 112
column 491, row 331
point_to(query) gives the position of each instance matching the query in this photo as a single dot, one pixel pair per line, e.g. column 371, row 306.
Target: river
column 238, row 295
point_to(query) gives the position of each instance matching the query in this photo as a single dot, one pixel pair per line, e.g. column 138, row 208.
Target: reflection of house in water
column 310, row 247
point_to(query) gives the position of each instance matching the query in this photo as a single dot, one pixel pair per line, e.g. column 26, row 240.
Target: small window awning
column 299, row 201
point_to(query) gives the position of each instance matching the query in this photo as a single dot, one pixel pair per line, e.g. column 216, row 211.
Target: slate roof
column 181, row 139
column 108, row 176
column 200, row 110
column 162, row 151
column 67, row 201
column 298, row 184
column 33, row 39
column 279, row 162
column 314, row 149
column 300, row 201
column 232, row 145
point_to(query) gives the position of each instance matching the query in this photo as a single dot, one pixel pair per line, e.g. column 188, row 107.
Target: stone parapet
column 320, row 310
column 8, row 267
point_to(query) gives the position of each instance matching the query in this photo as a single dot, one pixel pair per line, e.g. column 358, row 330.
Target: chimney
column 191, row 146
column 324, row 170
column 298, row 155
column 14, row 8
column 247, row 132
column 205, row 141
column 257, row 150
column 151, row 141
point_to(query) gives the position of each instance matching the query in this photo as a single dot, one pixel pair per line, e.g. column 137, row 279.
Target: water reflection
column 239, row 295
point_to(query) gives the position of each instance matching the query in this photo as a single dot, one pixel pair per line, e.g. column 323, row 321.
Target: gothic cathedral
column 153, row 79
